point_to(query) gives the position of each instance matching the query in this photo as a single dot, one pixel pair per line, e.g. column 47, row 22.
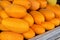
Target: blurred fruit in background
column 52, row 2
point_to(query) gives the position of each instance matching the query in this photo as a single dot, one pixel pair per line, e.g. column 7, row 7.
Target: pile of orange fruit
column 24, row 19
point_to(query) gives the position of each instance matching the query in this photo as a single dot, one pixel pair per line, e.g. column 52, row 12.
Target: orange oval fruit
column 55, row 21
column 48, row 25
column 5, row 3
column 38, row 29
column 43, row 3
column 16, row 11
column 11, row 36
column 29, row 34
column 28, row 18
column 54, row 9
column 38, row 17
column 35, row 5
column 15, row 25
column 47, row 14
column 24, row 3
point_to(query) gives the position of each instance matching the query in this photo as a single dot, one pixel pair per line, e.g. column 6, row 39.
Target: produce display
column 25, row 19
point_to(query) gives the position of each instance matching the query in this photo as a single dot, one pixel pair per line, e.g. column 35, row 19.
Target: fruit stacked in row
column 21, row 19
